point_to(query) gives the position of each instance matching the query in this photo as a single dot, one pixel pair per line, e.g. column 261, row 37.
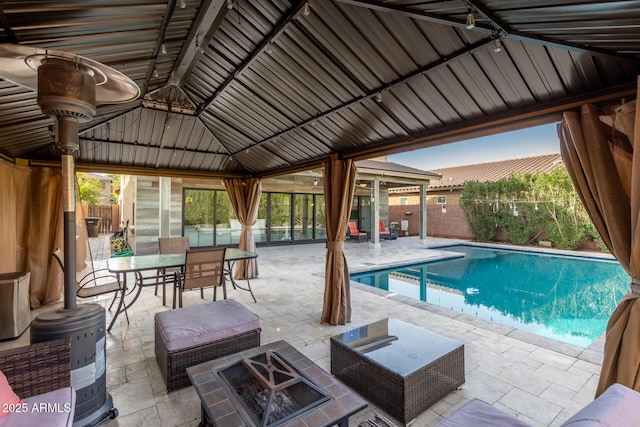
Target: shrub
column 525, row 205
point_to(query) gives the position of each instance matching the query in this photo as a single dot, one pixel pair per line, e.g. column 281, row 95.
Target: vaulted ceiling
column 266, row 87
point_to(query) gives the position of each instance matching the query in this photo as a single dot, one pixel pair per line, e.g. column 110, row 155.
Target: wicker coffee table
column 399, row 367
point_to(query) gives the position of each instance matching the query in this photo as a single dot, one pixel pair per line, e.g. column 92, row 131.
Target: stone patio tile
column 531, row 406
column 572, row 380
column 552, row 358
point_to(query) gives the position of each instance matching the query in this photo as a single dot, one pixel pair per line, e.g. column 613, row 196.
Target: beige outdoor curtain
column 605, row 170
column 339, row 187
column 245, row 200
column 31, row 227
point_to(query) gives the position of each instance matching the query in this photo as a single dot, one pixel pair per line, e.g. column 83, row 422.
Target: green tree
column 90, row 189
column 115, row 182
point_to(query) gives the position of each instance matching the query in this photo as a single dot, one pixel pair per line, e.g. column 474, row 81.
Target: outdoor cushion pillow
column 8, row 398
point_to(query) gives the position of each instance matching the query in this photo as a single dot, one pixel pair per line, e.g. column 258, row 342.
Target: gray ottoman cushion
column 200, row 324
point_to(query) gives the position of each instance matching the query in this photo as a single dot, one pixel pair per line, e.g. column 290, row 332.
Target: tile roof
column 455, row 177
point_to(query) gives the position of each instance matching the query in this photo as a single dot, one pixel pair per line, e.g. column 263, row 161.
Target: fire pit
column 269, row 386
column 269, row 390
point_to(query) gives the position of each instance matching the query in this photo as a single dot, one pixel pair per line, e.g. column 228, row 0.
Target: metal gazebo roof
column 268, row 87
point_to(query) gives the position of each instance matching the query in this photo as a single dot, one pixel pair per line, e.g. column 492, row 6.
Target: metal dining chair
column 203, row 268
column 97, row 282
column 169, row 245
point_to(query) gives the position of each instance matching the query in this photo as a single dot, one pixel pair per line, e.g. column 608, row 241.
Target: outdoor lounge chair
column 40, row 375
column 384, row 233
column 203, row 268
column 354, row 234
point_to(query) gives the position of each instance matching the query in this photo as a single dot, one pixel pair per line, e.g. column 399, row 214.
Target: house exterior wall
column 451, row 223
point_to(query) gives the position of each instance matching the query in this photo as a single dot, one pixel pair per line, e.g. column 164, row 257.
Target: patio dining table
column 138, row 264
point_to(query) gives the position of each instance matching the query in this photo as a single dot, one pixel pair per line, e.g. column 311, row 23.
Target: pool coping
column 592, row 354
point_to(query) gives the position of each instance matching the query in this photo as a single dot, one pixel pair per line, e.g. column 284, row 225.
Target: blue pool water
column 566, row 298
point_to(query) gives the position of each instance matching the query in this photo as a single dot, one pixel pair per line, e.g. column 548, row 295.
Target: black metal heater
column 68, row 87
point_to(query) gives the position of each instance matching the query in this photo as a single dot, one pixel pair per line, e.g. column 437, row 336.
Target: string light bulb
column 471, row 21
column 379, row 97
column 229, row 4
column 269, row 48
column 155, row 73
column 307, row 9
column 497, row 45
column 163, row 49
column 183, row 4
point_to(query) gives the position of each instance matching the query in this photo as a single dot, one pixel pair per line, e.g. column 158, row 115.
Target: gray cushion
column 618, row 406
column 53, row 409
column 206, row 323
column 478, row 413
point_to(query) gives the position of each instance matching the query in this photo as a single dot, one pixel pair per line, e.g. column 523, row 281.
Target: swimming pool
column 569, row 299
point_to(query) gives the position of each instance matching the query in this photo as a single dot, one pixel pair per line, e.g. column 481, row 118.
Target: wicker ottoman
column 192, row 335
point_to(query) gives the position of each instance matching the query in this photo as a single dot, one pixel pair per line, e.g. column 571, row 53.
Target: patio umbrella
column 605, row 170
column 339, row 187
column 245, row 200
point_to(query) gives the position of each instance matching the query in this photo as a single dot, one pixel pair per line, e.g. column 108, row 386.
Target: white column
column 375, row 213
column 423, row 211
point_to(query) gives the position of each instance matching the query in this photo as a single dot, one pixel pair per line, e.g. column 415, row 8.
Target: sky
column 533, row 141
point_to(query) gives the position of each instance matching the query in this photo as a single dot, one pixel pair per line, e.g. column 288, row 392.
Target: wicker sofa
column 40, row 375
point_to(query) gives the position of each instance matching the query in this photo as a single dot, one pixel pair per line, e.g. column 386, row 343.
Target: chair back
column 204, row 268
column 173, row 245
column 353, row 229
column 59, row 256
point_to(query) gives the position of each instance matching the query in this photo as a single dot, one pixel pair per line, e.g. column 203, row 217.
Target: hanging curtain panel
column 244, row 195
column 597, row 147
column 339, row 187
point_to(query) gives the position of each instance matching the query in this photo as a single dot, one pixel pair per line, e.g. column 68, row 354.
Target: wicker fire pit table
column 399, row 367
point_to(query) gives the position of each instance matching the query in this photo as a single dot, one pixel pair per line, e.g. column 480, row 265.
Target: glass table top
column 398, row 346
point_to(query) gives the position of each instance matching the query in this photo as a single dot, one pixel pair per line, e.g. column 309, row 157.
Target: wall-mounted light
column 315, row 181
column 444, row 209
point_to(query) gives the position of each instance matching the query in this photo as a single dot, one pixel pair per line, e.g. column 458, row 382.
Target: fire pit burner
column 222, row 406
column 269, row 390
